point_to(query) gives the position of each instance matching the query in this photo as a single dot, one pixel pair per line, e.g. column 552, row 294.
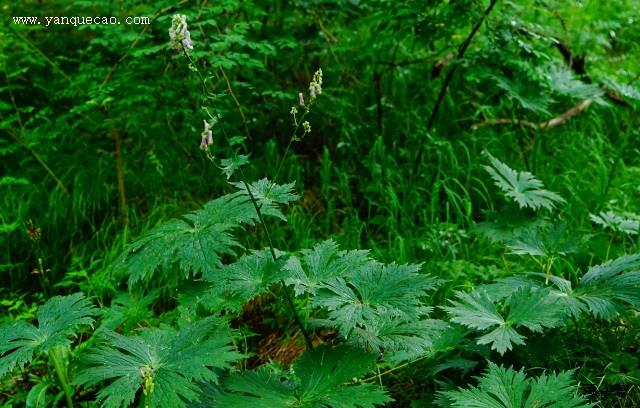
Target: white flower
column 206, row 137
column 315, row 87
column 179, row 35
column 306, row 126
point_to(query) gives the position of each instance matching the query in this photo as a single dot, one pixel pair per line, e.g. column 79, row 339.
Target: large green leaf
column 58, row 320
column 522, row 187
column 503, row 387
column 195, row 241
column 322, row 377
column 163, row 363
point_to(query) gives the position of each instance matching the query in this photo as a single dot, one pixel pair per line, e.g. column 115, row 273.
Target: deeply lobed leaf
column 164, row 363
column 501, row 387
column 58, row 319
column 522, row 187
column 321, row 377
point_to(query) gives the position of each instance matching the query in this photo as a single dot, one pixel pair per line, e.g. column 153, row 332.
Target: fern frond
column 164, row 363
column 58, row 320
column 321, row 377
column 503, row 387
column 522, row 187
column 195, row 242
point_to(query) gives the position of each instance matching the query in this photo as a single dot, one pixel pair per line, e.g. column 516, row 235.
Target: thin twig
column 238, row 105
column 39, row 160
column 447, row 80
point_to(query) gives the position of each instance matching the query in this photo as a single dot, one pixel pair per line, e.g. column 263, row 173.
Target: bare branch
column 555, row 122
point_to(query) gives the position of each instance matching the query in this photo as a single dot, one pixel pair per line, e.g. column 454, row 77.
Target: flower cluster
column 179, row 34
column 206, row 136
column 315, row 87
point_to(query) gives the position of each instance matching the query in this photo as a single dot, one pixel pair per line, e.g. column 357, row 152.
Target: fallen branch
column 555, row 122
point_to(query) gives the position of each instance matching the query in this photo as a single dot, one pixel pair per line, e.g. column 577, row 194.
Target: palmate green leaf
column 129, row 310
column 563, row 82
column 269, row 195
column 524, row 92
column 475, row 310
column 58, row 320
column 401, row 340
column 195, row 242
column 534, row 309
column 522, row 187
column 616, row 223
column 503, row 387
column 230, row 165
column 529, row 306
column 235, row 284
column 372, row 299
column 546, row 241
column 165, row 363
column 321, row 263
column 606, row 288
column 322, row 377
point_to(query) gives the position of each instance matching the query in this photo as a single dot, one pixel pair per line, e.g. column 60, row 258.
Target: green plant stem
column 40, row 160
column 396, row 368
column 254, row 202
column 56, row 355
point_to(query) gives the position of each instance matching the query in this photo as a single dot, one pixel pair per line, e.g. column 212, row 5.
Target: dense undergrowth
column 327, row 203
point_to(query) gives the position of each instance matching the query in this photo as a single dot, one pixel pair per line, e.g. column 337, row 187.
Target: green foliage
column 605, row 289
column 321, row 263
column 129, row 310
column 268, row 195
column 195, row 242
column 528, row 307
column 522, row 187
column 503, row 387
column 102, row 188
column 616, row 223
column 58, row 320
column 322, row 377
column 381, row 307
column 235, row 284
column 166, row 364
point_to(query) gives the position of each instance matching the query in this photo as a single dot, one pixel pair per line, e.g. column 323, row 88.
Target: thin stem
column 254, row 202
column 39, row 160
column 293, row 138
column 380, row 374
